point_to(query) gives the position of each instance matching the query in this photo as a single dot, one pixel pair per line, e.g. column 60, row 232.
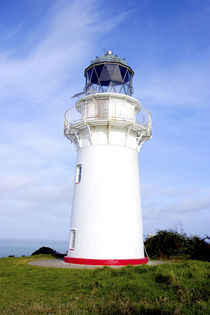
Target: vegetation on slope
column 177, row 288
column 170, row 243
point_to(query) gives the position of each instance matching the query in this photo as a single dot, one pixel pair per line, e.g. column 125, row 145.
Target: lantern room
column 109, row 73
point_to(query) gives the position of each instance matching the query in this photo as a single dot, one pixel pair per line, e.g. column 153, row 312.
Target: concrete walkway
column 58, row 263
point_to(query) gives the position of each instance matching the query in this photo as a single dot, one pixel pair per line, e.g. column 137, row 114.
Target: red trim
column 105, row 262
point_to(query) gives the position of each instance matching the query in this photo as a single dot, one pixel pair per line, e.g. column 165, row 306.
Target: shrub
column 198, row 248
column 168, row 243
column 48, row 251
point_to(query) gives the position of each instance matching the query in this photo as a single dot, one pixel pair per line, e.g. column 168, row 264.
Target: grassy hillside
column 178, row 288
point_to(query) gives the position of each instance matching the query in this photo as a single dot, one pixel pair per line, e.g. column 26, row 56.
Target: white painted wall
column 106, row 208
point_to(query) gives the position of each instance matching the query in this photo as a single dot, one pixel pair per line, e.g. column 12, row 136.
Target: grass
column 178, row 288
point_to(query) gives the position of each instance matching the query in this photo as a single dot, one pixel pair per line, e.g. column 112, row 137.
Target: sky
column 45, row 45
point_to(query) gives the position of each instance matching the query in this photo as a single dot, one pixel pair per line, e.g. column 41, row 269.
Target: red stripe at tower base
column 105, row 262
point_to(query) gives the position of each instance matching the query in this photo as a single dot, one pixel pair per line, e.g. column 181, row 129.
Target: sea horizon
column 22, row 247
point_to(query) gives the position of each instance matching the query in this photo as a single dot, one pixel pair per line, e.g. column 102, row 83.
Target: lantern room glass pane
column 123, row 71
column 99, row 69
column 111, row 69
column 94, row 78
column 105, row 75
column 126, row 79
column 89, row 72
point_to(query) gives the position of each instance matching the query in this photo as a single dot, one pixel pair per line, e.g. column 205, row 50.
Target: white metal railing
column 106, row 110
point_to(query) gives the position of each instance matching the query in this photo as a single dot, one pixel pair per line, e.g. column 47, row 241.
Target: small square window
column 78, row 174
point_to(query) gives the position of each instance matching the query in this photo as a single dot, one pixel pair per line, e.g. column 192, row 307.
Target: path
column 58, row 263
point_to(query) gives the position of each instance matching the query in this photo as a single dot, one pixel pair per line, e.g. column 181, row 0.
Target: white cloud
column 36, row 162
column 70, row 36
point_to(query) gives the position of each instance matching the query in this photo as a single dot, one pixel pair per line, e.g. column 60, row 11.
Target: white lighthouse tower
column 108, row 127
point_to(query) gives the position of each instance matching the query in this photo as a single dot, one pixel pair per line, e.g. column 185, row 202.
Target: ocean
column 19, row 248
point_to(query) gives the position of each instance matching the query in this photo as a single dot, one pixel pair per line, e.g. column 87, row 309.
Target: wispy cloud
column 173, row 205
column 67, row 40
column 37, row 164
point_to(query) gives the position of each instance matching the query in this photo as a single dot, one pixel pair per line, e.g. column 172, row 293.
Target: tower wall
column 106, row 210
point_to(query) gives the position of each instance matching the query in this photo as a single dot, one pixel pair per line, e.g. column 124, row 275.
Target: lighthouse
column 108, row 126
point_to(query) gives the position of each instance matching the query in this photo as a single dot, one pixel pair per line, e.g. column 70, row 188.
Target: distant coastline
column 20, row 248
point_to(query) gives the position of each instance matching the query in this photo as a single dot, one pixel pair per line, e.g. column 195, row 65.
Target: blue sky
column 44, row 47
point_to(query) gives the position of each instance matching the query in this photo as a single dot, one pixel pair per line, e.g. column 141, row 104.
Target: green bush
column 170, row 243
column 198, row 248
column 48, row 251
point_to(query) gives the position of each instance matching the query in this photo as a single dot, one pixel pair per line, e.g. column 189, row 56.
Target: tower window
column 72, row 239
column 78, row 174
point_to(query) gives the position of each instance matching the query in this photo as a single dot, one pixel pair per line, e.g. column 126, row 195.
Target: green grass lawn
column 178, row 288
